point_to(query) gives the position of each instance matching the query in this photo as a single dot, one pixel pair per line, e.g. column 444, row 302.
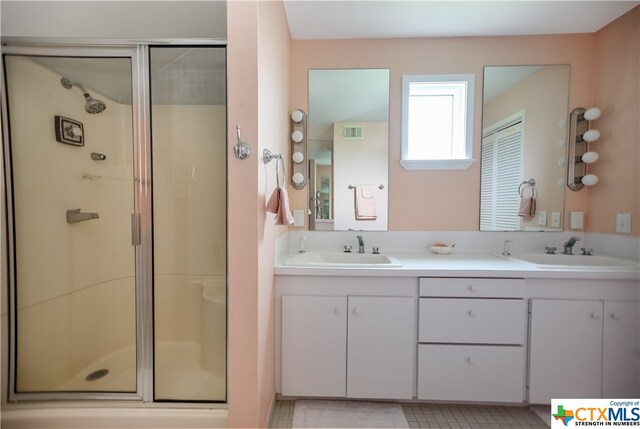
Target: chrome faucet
column 568, row 246
column 360, row 244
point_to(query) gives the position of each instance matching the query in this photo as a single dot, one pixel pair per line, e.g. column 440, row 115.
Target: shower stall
column 115, row 233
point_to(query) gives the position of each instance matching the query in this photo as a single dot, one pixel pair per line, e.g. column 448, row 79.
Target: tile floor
column 437, row 416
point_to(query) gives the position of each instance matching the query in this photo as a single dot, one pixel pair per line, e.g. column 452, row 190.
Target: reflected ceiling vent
column 353, row 132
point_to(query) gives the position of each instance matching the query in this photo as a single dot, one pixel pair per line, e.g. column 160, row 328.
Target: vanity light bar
column 579, row 155
column 299, row 149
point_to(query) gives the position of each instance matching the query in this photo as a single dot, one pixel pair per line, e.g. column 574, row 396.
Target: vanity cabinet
column 472, row 334
column 583, row 349
column 353, row 346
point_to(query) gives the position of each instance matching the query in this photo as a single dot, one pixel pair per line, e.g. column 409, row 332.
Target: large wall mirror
column 524, row 147
column 348, row 149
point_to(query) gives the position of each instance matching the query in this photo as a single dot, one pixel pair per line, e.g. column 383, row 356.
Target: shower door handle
column 136, row 238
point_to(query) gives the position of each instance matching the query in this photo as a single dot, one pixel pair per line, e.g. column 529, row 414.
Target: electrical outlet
column 555, row 219
column 623, row 223
column 298, row 218
column 542, row 218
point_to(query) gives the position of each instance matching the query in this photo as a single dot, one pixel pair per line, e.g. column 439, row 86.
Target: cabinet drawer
column 457, row 320
column 469, row 287
column 471, row 373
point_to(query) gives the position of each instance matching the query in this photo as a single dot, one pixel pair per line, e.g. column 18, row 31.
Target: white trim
column 436, row 164
column 453, row 164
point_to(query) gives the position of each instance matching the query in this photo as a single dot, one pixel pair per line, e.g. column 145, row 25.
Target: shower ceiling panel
column 203, row 68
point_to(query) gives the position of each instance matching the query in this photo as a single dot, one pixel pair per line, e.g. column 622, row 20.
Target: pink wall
column 274, row 44
column 242, row 92
column 417, row 199
column 258, row 100
column 616, row 90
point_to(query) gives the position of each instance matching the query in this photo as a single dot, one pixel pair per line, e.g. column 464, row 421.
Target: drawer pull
column 616, row 316
column 471, row 360
column 595, row 316
column 337, row 311
column 471, row 313
column 472, row 288
column 356, row 311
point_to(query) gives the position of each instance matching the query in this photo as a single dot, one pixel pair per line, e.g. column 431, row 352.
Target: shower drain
column 97, row 374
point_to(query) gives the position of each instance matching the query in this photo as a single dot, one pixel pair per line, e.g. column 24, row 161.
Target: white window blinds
column 501, row 175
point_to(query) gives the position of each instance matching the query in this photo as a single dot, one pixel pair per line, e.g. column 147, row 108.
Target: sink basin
column 341, row 259
column 575, row 261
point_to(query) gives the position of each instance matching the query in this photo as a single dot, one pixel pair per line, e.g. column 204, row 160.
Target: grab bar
column 74, row 216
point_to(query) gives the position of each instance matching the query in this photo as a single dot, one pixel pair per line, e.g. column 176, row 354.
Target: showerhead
column 91, row 105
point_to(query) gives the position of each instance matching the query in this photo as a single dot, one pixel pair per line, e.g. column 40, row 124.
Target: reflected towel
column 527, row 207
column 365, row 202
column 279, row 205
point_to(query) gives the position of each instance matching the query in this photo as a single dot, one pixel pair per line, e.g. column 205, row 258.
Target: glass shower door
column 188, row 135
column 72, row 188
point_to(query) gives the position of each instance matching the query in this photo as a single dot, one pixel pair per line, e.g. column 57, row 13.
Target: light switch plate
column 623, row 223
column 542, row 218
column 298, row 218
column 555, row 219
column 577, row 220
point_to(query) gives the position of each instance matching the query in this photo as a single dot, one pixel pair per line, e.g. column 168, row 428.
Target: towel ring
column 267, row 157
column 531, row 183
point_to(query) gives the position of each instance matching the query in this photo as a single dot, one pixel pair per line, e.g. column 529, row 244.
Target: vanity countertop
column 462, row 264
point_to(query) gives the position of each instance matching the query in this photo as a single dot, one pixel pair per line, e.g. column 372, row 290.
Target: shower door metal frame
column 139, row 56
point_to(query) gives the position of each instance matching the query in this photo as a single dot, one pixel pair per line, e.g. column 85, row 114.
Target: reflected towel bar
column 352, row 187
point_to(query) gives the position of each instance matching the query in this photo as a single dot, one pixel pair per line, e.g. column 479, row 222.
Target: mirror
column 348, row 149
column 523, row 142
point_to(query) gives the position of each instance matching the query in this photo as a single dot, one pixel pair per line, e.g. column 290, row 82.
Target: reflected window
column 437, row 121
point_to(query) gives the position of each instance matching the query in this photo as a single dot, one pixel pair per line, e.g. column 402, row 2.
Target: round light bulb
column 298, row 157
column 561, row 181
column 563, row 124
column 297, row 115
column 298, row 178
column 589, row 180
column 591, row 136
column 562, row 143
column 592, row 114
column 561, row 162
column 590, row 157
column 297, row 136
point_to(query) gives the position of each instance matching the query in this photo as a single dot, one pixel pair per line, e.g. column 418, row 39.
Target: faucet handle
column 551, row 250
column 376, row 250
column 347, row 248
column 586, row 251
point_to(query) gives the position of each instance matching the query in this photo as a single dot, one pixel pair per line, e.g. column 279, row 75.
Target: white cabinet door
column 381, row 347
column 621, row 350
column 314, row 345
column 565, row 350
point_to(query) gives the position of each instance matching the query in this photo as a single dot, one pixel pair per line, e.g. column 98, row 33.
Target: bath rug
column 347, row 414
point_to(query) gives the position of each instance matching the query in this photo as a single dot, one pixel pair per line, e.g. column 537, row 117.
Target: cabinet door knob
column 471, row 360
column 356, row 311
column 337, row 310
column 595, row 316
column 471, row 313
column 472, row 288
column 616, row 316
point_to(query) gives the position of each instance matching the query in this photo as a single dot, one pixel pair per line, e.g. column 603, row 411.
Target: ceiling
column 329, row 19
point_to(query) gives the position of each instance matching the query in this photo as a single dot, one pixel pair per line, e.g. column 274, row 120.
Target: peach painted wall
column 258, row 100
column 616, row 90
column 417, row 199
column 242, row 96
column 274, row 44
